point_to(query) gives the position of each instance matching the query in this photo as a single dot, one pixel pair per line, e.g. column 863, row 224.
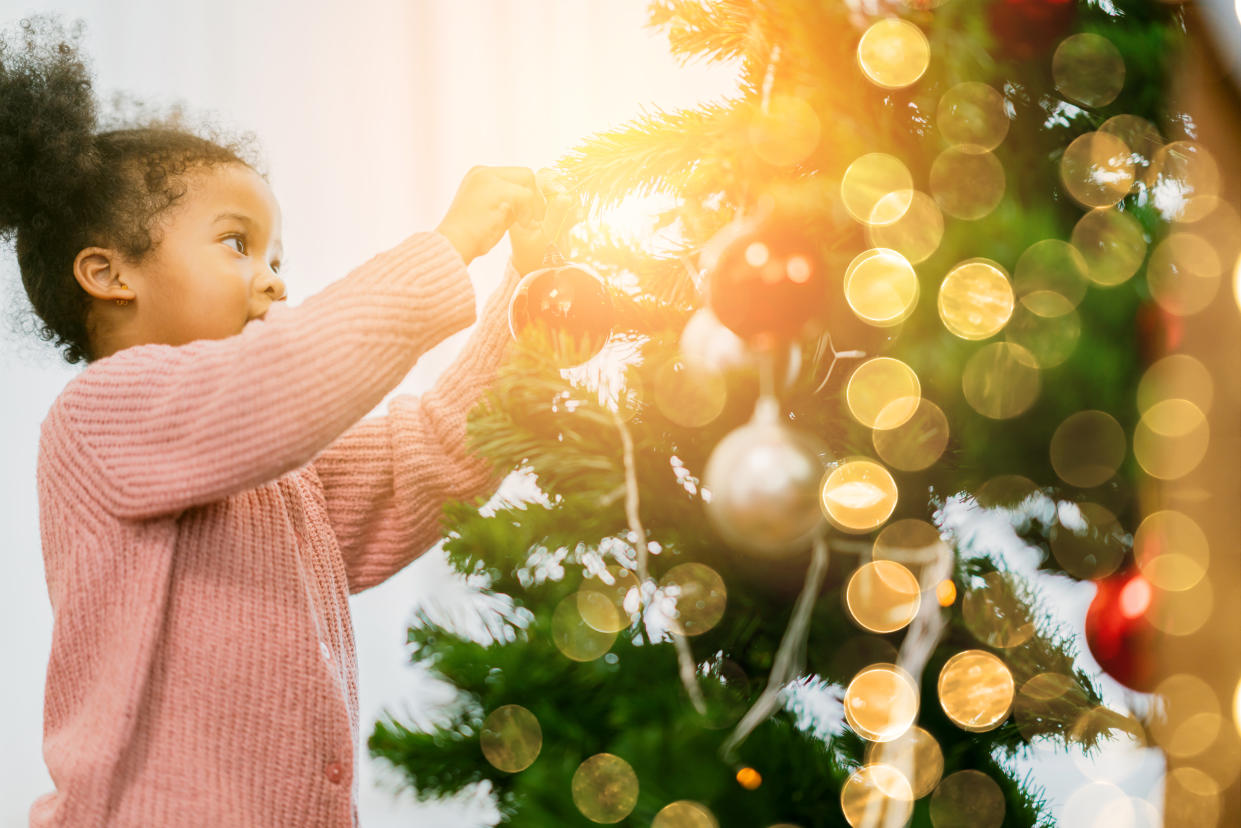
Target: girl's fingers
column 517, row 175
column 529, row 204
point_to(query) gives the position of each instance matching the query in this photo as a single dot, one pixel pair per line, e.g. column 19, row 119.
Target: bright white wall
column 369, row 113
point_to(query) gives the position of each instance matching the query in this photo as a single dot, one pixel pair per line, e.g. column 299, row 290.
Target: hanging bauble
column 763, row 481
column 709, row 346
column 1026, row 29
column 1119, row 634
column 767, row 283
column 570, row 305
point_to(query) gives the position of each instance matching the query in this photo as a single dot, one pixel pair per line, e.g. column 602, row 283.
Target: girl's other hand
column 487, row 203
column 531, row 239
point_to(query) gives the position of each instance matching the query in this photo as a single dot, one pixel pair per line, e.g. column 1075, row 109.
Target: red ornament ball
column 1028, row 28
column 767, row 284
column 1120, row 636
column 571, row 306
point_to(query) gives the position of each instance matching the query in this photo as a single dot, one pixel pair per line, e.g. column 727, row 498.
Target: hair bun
column 47, row 124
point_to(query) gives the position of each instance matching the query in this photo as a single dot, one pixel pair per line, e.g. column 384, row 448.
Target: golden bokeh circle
column 511, row 738
column 975, row 299
column 1171, row 550
column 915, row 754
column 967, row 798
column 917, row 443
column 605, row 788
column 883, row 596
column 995, row 613
column 1176, row 376
column 876, row 795
column 1140, row 136
column 1091, row 547
column 786, row 131
column 687, row 395
column 915, row 545
column 967, row 183
column 946, row 593
column 1191, row 719
column 1111, row 243
column 685, row 813
column 1183, row 273
column 1050, row 267
column 881, row 702
column 870, row 179
column 1087, row 448
column 916, row 234
column 696, row 596
column 883, row 393
column 858, row 495
column 1184, row 612
column 1097, row 169
column 976, row 690
column 893, row 53
column 1236, row 707
column 1191, row 797
column 1047, row 326
column 1184, row 181
column 1171, row 438
column 881, row 287
column 608, row 600
column 1047, row 704
column 576, row 639
column 973, row 113
column 1001, row 380
column 1236, row 282
column 1088, row 69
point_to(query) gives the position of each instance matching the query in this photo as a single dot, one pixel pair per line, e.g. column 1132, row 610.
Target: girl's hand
column 488, row 201
column 531, row 239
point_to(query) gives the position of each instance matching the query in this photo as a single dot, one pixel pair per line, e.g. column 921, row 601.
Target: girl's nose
column 272, row 285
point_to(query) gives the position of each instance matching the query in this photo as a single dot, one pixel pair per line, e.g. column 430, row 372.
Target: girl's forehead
column 236, row 189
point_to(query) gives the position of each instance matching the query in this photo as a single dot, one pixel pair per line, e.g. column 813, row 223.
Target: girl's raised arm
column 157, row 429
column 385, row 481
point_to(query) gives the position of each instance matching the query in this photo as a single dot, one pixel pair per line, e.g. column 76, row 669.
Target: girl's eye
column 241, row 242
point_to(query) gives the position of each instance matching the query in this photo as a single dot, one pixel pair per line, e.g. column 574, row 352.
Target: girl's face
column 214, row 266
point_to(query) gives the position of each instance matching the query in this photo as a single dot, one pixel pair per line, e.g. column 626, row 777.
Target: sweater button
column 334, row 772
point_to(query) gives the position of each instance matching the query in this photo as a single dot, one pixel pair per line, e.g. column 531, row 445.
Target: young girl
column 208, row 498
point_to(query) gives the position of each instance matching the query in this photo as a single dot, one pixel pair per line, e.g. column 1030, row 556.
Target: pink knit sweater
column 207, row 509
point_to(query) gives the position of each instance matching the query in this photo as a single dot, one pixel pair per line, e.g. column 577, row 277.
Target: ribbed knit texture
column 205, row 512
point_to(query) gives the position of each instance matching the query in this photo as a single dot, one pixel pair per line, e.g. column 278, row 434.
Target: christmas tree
column 799, row 452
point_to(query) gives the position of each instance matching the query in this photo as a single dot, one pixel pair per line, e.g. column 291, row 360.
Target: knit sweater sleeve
column 162, row 428
column 386, row 479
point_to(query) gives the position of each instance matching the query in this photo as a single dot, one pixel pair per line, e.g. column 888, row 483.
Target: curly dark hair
column 66, row 185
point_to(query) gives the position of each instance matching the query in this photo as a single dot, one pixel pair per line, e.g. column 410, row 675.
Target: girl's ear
column 95, row 270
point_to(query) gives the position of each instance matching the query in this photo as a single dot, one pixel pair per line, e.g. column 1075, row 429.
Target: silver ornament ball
column 763, row 481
